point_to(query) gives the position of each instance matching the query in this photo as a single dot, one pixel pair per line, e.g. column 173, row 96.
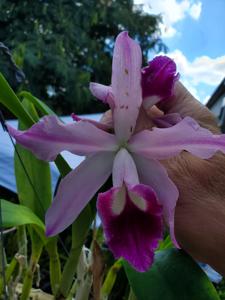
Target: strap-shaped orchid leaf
column 14, row 215
column 33, row 176
column 17, row 215
column 40, row 105
column 61, row 164
column 174, row 275
column 9, row 99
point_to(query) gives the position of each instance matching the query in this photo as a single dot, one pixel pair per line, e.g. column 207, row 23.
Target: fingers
column 107, row 118
column 145, row 118
column 181, row 102
column 200, row 214
column 185, row 104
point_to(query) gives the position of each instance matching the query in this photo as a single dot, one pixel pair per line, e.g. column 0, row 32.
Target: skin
column 200, row 210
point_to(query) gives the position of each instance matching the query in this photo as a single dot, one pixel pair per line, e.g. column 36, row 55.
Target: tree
column 62, row 45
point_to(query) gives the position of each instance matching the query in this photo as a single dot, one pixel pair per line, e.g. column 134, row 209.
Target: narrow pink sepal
column 126, row 85
column 105, row 127
column 47, row 138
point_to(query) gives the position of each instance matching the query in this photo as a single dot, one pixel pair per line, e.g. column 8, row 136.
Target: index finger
column 185, row 104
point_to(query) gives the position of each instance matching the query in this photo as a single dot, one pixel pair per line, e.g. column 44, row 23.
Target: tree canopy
column 62, row 45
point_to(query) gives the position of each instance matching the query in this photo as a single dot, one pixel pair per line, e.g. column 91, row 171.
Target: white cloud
column 202, row 70
column 167, row 31
column 195, row 10
column 172, row 12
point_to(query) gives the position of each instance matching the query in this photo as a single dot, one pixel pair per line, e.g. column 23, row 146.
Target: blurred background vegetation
column 62, row 45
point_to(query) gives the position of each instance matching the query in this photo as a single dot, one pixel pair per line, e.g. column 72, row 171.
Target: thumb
column 185, row 104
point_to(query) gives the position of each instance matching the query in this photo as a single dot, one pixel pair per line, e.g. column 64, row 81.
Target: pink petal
column 102, row 92
column 97, row 124
column 158, row 80
column 167, row 120
column 152, row 173
column 124, row 169
column 47, row 138
column 134, row 232
column 162, row 143
column 76, row 190
column 126, row 85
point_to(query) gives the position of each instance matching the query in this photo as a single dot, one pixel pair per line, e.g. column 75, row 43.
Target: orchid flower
column 142, row 196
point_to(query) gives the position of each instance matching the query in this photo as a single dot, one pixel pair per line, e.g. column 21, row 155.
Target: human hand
column 200, row 210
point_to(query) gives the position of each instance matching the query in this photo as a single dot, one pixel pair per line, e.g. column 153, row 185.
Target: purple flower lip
column 134, row 233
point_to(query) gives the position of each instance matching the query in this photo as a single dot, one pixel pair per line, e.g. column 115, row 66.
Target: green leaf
column 9, row 99
column 174, row 275
column 34, row 184
column 110, row 279
column 40, row 105
column 17, row 215
column 165, row 244
column 62, row 165
column 79, row 232
column 54, row 264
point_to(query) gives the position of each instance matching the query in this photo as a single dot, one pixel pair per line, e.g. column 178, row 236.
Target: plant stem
column 131, row 295
column 37, row 248
column 9, row 271
column 55, row 266
column 79, row 232
column 72, row 291
column 22, row 243
column 110, row 279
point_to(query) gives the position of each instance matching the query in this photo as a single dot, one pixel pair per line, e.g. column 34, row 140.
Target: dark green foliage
column 221, row 289
column 173, row 275
column 65, row 44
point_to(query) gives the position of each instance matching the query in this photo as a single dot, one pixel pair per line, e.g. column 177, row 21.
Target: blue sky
column 194, row 31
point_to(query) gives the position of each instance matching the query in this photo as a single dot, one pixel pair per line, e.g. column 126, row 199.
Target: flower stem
column 79, row 232
column 110, row 279
column 8, row 274
column 131, row 295
column 72, row 291
column 37, row 248
column 22, row 243
column 55, row 266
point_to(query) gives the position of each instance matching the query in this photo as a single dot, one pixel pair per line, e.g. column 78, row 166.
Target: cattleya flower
column 132, row 211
